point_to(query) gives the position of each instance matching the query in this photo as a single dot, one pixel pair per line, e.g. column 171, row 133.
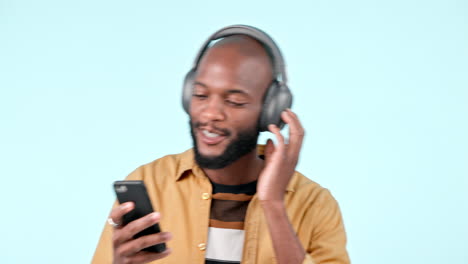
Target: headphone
column 277, row 98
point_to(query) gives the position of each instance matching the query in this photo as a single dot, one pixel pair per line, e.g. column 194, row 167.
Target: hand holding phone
column 138, row 237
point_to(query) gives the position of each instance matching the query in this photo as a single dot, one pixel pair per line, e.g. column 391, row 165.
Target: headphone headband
column 259, row 35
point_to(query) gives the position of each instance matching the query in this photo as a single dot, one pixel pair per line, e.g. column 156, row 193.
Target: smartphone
column 135, row 191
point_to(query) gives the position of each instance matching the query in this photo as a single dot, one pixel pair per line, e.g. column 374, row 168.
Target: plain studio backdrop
column 90, row 90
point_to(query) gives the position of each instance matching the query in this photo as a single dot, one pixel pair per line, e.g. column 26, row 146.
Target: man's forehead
column 238, row 61
column 229, row 73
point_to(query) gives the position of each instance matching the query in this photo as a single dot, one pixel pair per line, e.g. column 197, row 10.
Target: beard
column 244, row 143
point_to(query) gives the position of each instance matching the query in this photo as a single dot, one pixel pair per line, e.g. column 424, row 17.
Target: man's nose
column 213, row 110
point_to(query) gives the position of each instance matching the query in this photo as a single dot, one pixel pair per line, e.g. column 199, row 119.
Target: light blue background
column 90, row 90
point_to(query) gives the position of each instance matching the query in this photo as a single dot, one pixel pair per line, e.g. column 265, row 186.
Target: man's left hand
column 280, row 159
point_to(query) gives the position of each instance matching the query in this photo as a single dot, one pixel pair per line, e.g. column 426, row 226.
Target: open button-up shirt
column 181, row 192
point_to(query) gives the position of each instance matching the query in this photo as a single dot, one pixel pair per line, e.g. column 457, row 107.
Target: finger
column 299, row 129
column 136, row 245
column 269, row 148
column 134, row 227
column 275, row 130
column 145, row 257
column 296, row 132
column 118, row 212
column 295, row 126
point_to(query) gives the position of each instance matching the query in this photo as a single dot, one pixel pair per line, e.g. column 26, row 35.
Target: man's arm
column 288, row 248
column 328, row 241
column 328, row 237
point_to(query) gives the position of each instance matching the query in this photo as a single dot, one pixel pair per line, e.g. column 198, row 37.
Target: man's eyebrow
column 230, row 91
column 201, row 84
column 237, row 91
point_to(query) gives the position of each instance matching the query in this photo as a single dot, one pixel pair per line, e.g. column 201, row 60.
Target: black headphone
column 277, row 98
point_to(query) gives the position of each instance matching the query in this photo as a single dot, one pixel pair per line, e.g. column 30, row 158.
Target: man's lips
column 210, row 137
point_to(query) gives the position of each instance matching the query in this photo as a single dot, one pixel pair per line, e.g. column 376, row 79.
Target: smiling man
column 228, row 200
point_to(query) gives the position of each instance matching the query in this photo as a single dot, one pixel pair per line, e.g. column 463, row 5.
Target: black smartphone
column 135, row 191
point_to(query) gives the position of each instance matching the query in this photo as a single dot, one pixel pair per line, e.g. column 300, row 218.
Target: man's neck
column 244, row 170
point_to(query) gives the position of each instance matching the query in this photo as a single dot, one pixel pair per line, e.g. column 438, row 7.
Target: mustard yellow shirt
column 181, row 192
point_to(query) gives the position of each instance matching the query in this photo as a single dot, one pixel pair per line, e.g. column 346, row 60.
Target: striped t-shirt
column 226, row 230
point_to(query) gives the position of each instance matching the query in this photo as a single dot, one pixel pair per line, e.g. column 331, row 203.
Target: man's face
column 225, row 107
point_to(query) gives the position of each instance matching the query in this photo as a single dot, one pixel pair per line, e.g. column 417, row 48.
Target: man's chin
column 211, row 162
column 224, row 153
column 211, row 152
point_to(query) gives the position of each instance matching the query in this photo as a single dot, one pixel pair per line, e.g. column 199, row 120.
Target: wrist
column 277, row 204
column 271, row 198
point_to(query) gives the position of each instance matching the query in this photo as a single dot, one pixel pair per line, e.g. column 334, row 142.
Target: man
column 229, row 200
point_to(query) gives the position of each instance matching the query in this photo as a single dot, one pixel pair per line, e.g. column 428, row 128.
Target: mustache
column 224, row 131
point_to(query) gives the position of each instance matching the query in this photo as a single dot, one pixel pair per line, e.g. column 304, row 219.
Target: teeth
column 209, row 134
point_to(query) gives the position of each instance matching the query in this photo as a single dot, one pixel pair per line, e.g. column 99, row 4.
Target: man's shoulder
column 306, row 189
column 299, row 182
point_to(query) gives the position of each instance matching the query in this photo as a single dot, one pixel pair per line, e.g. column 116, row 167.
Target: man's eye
column 201, row 96
column 235, row 103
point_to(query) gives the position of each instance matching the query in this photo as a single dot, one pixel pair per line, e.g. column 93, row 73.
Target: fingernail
column 167, row 235
column 154, row 215
column 126, row 205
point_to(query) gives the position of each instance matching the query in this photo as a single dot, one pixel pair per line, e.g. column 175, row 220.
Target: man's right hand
column 126, row 248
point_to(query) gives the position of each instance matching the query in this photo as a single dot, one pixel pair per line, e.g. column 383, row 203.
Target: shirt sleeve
column 328, row 242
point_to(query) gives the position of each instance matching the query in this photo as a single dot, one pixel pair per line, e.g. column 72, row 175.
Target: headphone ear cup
column 187, row 90
column 277, row 99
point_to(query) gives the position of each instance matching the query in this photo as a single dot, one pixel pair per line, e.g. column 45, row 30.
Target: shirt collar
column 187, row 163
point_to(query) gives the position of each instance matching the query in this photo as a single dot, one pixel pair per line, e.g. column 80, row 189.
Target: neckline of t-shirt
column 246, row 188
